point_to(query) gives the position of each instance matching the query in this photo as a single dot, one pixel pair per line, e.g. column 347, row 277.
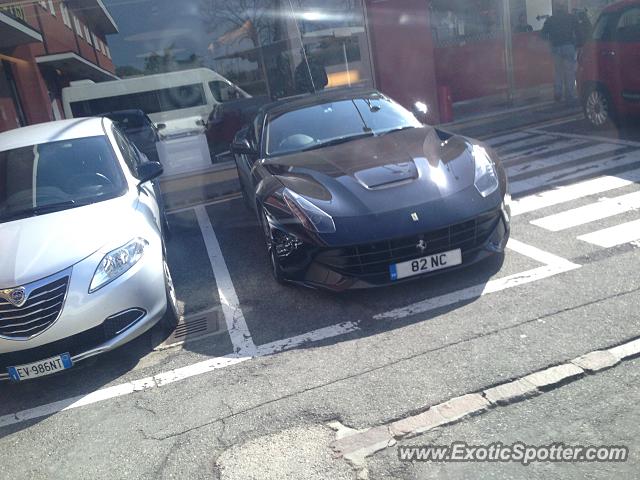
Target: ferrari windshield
column 325, row 124
column 48, row 177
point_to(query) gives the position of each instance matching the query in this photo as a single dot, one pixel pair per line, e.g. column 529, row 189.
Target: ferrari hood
column 380, row 173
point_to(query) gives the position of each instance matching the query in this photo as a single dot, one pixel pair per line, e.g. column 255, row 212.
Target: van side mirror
column 421, row 112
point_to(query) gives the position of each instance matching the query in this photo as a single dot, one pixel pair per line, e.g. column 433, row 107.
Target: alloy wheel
column 597, row 108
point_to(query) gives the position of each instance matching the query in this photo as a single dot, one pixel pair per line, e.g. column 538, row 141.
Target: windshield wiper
column 338, row 141
column 54, row 207
column 398, row 129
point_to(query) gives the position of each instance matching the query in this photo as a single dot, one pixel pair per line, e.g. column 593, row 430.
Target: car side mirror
column 161, row 126
column 241, row 144
column 149, row 171
column 421, row 112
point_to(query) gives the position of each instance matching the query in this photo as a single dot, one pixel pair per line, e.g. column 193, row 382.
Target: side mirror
column 421, row 112
column 161, row 126
column 241, row 144
column 148, row 171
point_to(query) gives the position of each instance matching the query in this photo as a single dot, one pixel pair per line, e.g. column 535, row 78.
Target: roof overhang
column 76, row 67
column 14, row 33
column 95, row 12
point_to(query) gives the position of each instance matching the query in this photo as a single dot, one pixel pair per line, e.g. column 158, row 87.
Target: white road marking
column 554, row 265
column 506, row 138
column 523, row 144
column 206, row 204
column 571, row 173
column 166, row 378
column 559, row 160
column 614, row 236
column 618, row 141
column 605, row 208
column 236, row 323
column 546, row 150
column 567, row 193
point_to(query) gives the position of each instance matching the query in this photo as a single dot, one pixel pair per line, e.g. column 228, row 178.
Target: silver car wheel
column 597, row 108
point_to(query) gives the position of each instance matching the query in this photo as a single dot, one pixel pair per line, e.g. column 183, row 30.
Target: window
column 155, row 101
column 87, row 35
column 129, row 153
column 95, row 41
column 65, row 15
column 52, row 8
column 51, row 173
column 76, row 24
column 628, row 28
column 107, row 51
column 603, row 29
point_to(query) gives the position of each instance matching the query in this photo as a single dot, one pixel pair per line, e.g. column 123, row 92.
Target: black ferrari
column 352, row 190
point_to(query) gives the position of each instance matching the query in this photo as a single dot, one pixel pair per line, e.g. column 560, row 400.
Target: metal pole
column 508, row 48
column 346, row 60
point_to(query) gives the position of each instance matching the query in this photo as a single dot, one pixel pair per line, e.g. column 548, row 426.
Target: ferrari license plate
column 41, row 368
column 430, row 263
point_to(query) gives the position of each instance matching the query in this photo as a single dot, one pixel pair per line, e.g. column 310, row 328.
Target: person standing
column 560, row 30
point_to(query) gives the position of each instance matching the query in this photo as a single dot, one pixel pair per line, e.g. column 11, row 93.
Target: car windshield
column 326, row 123
column 48, row 177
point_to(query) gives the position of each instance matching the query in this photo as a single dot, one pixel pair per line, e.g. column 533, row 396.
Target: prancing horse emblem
column 15, row 296
column 415, row 217
column 422, row 246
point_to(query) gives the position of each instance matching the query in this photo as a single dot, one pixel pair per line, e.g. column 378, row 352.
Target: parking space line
column 614, row 236
column 572, row 173
column 554, row 265
column 236, row 323
column 592, row 212
column 618, row 141
column 217, row 201
column 172, row 376
column 567, row 193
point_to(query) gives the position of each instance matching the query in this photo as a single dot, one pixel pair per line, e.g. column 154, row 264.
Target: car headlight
column 486, row 177
column 117, row 262
column 312, row 217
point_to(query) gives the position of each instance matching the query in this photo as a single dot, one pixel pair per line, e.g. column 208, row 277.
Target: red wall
column 532, row 60
column 402, row 51
column 31, row 87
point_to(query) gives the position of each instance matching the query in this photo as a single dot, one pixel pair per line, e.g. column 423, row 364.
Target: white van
column 177, row 102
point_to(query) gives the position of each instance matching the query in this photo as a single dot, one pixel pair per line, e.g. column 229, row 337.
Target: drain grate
column 194, row 327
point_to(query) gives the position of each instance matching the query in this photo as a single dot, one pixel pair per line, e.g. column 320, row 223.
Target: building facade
column 44, row 45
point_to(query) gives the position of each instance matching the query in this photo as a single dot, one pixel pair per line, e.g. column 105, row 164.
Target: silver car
column 83, row 266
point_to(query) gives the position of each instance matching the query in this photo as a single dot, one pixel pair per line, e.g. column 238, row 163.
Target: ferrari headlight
column 117, row 262
column 486, row 178
column 312, row 217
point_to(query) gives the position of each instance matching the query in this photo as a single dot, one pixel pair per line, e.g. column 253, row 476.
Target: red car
column 609, row 65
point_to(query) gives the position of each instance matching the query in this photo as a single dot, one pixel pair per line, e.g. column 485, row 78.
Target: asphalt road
column 254, row 400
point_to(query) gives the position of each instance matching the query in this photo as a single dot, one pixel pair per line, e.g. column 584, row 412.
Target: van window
column 155, row 101
column 628, row 28
column 603, row 30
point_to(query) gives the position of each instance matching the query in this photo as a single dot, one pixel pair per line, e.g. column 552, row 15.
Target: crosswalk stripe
column 560, row 159
column 544, row 151
column 590, row 213
column 573, row 172
column 567, row 193
column 614, row 236
column 496, row 141
column 523, row 144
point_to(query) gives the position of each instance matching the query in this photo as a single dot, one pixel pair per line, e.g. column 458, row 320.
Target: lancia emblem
column 422, row 246
column 415, row 217
column 16, row 296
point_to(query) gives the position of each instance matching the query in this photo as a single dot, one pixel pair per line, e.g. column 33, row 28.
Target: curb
column 354, row 446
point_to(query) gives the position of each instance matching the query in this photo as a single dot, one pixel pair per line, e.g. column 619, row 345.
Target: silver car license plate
column 430, row 263
column 41, row 368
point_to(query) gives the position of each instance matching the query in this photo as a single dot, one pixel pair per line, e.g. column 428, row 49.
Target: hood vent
column 387, row 175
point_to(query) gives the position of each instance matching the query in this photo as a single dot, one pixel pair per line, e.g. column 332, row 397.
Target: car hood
column 37, row 247
column 382, row 173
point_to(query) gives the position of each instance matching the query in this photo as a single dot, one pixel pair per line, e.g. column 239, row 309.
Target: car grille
column 374, row 258
column 41, row 310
